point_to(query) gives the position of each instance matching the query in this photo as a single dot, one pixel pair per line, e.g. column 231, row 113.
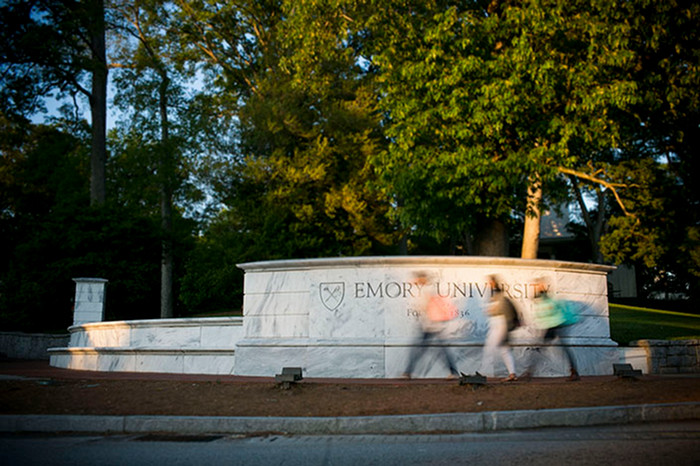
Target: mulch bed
column 211, row 397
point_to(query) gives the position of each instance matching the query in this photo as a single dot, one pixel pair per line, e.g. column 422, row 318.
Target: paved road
column 639, row 444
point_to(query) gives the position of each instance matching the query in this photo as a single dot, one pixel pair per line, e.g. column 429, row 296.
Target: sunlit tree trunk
column 531, row 232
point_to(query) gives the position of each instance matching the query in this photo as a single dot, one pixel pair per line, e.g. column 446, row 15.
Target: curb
column 396, row 424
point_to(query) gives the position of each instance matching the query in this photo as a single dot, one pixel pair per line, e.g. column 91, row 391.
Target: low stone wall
column 175, row 346
column 18, row 345
column 671, row 356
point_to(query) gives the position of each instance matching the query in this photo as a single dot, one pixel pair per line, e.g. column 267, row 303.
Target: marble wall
column 357, row 317
column 179, row 346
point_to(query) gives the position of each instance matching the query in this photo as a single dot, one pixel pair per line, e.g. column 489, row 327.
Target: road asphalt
column 357, row 425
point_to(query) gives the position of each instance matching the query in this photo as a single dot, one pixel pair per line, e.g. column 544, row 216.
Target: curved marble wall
column 184, row 346
column 355, row 317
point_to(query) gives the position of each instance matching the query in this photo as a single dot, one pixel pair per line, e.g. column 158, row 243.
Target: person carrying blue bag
column 551, row 317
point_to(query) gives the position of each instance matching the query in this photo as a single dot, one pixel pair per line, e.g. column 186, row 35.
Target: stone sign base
column 357, row 317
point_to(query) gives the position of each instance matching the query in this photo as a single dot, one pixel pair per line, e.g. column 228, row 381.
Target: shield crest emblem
column 332, row 294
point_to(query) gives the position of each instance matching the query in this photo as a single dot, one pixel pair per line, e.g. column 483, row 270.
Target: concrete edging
column 395, row 424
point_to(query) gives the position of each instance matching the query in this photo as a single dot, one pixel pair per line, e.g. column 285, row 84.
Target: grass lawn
column 629, row 323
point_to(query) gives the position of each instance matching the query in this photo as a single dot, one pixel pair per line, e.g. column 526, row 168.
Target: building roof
column 553, row 224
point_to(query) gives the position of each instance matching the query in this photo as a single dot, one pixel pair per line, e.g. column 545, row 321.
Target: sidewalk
column 488, row 421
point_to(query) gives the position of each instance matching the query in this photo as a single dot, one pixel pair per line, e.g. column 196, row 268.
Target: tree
column 488, row 101
column 51, row 235
column 51, row 45
column 150, row 90
column 595, row 220
column 664, row 233
column 308, row 122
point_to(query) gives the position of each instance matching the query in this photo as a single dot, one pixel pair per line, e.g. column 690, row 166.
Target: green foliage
column 663, row 236
column 483, row 99
column 309, row 121
column 652, row 198
column 44, row 52
column 212, row 281
column 56, row 48
column 51, row 236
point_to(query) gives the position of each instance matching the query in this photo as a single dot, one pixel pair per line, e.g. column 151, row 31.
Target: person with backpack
column 503, row 318
column 552, row 316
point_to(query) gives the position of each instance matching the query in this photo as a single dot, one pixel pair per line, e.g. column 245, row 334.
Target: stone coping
column 93, row 350
column 178, row 322
column 34, row 335
column 425, row 261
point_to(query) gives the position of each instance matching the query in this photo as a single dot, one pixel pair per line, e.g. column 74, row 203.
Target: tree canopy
column 266, row 129
column 485, row 99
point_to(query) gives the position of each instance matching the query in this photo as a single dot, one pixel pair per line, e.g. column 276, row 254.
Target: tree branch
column 594, row 179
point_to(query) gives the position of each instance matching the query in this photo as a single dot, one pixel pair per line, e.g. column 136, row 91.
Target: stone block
column 167, row 336
column 655, row 365
column 688, row 361
column 279, row 326
column 224, row 336
column 675, row 361
column 204, row 362
column 167, row 361
column 116, row 361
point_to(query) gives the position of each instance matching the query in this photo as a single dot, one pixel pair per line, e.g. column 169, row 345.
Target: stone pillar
column 89, row 300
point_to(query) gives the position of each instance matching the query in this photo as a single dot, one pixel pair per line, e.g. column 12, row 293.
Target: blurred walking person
column 503, row 318
column 551, row 317
column 435, row 313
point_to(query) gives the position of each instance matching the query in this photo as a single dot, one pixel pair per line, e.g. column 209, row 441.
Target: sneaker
column 574, row 376
column 510, row 378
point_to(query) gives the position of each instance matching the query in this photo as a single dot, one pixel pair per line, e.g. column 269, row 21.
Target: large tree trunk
column 167, row 261
column 531, row 232
column 491, row 239
column 166, row 169
column 98, row 106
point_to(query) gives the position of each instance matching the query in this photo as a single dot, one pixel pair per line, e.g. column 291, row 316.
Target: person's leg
column 449, row 358
column 415, row 354
column 531, row 359
column 508, row 360
column 573, row 376
column 500, row 328
column 490, row 346
column 568, row 354
column 499, row 325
